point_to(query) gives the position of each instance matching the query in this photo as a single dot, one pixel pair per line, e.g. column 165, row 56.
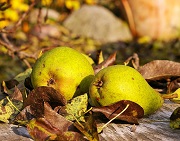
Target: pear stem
column 169, row 96
column 101, row 128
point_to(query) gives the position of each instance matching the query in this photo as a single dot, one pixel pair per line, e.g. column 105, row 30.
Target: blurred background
column 149, row 28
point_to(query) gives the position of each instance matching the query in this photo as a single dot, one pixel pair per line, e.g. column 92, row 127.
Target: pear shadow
column 21, row 131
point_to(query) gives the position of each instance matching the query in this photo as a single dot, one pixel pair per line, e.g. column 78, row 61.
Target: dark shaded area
column 146, row 52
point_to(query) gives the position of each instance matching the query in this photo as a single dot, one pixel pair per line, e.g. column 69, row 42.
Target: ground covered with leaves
column 47, row 115
column 43, row 111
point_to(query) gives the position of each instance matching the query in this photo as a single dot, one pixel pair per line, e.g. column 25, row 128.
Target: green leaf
column 9, row 109
column 22, row 76
column 76, row 108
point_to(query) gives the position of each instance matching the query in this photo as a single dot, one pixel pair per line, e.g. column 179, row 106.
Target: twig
column 4, row 6
column 135, row 61
column 19, row 22
column 12, row 49
column 6, row 43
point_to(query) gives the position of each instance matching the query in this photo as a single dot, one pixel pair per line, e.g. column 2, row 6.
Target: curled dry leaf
column 134, row 59
column 160, row 69
column 6, row 85
column 56, row 119
column 24, row 116
column 40, row 129
column 108, row 62
column 17, row 95
column 173, row 85
column 16, row 85
column 39, row 95
column 53, row 127
column 131, row 115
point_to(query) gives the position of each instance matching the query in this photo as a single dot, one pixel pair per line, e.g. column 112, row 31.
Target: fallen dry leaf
column 40, row 129
column 39, row 95
column 160, row 69
column 56, row 119
column 53, row 127
column 88, row 128
column 173, row 85
column 108, row 62
column 131, row 115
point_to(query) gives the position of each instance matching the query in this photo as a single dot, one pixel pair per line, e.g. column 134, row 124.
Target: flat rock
column 10, row 132
column 152, row 128
column 98, row 23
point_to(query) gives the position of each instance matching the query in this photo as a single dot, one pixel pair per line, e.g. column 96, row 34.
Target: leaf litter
column 131, row 115
column 48, row 116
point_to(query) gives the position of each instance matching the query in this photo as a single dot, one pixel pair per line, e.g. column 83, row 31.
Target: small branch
column 135, row 61
column 19, row 22
column 4, row 6
column 6, row 43
column 12, row 49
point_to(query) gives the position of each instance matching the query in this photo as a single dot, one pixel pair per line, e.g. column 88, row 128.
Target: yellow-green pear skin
column 64, row 69
column 120, row 82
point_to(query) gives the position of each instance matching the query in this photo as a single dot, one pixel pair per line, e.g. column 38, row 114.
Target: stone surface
column 9, row 132
column 152, row 128
column 98, row 23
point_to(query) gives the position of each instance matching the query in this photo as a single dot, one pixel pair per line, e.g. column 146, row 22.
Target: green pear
column 120, row 82
column 64, row 69
column 91, row 61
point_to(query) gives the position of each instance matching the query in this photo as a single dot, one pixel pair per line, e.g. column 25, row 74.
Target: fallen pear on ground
column 120, row 82
column 64, row 69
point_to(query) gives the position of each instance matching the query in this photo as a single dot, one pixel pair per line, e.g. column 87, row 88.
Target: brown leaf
column 134, row 59
column 53, row 127
column 160, row 69
column 40, row 129
column 38, row 96
column 88, row 128
column 24, row 116
column 131, row 115
column 70, row 136
column 108, row 62
column 173, row 85
column 17, row 95
column 56, row 119
column 8, row 85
